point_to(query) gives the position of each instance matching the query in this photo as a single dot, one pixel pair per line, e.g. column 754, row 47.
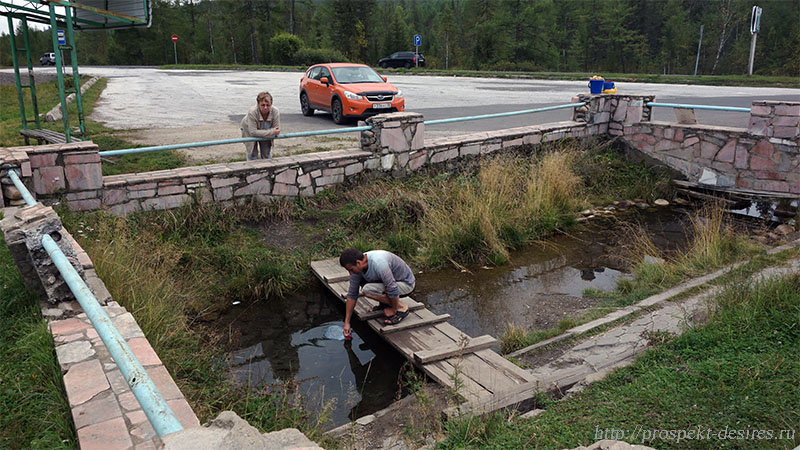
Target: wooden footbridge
column 485, row 380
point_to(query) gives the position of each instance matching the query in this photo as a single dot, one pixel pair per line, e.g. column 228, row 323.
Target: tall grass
column 512, row 201
column 34, row 412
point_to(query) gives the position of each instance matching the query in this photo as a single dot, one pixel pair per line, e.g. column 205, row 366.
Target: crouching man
column 385, row 277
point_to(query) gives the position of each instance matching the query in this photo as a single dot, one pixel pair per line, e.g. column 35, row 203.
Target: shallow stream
column 543, row 283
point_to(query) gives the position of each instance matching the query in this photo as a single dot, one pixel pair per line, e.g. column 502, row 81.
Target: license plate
column 381, row 105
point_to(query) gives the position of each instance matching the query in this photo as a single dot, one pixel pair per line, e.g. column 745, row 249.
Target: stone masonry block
column 171, row 190
column 81, row 177
column 81, row 158
column 39, row 220
column 288, row 176
column 49, row 180
column 394, row 140
column 39, row 160
column 760, row 110
column 92, row 204
column 83, row 381
column 263, row 187
column 788, row 109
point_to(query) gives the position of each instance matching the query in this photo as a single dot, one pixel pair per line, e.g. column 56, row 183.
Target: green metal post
column 59, row 70
column 17, row 79
column 31, row 81
column 23, row 117
column 76, row 79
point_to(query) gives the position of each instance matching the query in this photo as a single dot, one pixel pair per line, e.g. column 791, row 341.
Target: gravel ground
column 7, row 78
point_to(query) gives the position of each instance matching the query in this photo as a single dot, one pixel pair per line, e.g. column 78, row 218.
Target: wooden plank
column 484, row 374
column 364, row 307
column 497, row 401
column 340, row 288
column 440, row 372
column 412, row 321
column 418, row 339
column 329, row 270
column 501, row 364
column 444, row 352
column 454, row 333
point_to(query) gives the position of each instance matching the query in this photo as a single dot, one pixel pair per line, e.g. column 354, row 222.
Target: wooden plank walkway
column 446, row 354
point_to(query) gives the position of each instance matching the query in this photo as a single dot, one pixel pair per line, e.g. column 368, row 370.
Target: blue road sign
column 417, row 40
column 61, row 39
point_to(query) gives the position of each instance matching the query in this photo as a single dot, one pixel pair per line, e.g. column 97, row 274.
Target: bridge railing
column 155, row 407
column 156, row 148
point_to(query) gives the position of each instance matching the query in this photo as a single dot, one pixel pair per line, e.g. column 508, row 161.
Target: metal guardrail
column 155, row 407
column 506, row 114
column 711, row 108
column 131, row 151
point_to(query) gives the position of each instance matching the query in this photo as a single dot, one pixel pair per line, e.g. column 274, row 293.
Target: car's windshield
column 347, row 75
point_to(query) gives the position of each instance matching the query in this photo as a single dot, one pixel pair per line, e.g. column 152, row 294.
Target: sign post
column 62, row 40
column 417, row 43
column 175, row 47
column 755, row 27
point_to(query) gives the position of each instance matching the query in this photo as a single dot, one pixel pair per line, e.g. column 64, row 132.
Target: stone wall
column 763, row 157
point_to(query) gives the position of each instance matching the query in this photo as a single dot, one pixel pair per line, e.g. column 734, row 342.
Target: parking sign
column 417, row 40
column 61, row 39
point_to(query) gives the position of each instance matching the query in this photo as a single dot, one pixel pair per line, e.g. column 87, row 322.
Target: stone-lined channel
column 286, row 339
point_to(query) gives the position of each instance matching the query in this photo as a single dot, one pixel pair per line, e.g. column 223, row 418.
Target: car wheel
column 305, row 106
column 408, row 65
column 336, row 111
column 384, row 65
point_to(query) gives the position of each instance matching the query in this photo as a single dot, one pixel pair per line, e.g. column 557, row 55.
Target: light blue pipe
column 26, row 195
column 158, row 412
column 152, row 402
column 130, row 151
column 712, row 108
column 505, row 114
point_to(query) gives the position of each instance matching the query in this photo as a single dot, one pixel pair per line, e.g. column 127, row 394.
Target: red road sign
column 174, row 38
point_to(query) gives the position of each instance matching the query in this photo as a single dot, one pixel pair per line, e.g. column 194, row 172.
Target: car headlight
column 352, row 96
column 399, row 94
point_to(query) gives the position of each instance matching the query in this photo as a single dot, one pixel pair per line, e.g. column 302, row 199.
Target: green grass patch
column 738, row 372
column 104, row 137
column 33, row 408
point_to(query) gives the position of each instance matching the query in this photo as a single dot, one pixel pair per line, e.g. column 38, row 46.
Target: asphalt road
column 146, row 98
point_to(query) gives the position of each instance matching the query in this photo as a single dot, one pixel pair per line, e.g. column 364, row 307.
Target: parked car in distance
column 348, row 91
column 48, row 59
column 403, row 59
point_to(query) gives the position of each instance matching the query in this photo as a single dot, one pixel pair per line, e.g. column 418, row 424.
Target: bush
column 200, row 57
column 284, row 46
column 508, row 66
column 311, row 56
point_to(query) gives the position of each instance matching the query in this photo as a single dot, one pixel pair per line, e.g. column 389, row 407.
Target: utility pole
column 755, row 27
column 697, row 61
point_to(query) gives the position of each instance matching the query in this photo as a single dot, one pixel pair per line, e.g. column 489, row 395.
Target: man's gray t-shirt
column 382, row 267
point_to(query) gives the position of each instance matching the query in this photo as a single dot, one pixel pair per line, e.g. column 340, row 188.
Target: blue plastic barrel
column 596, row 86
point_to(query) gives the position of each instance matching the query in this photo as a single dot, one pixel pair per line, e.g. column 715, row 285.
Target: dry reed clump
column 512, row 201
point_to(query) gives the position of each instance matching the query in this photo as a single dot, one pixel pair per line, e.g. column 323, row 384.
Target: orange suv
column 348, row 91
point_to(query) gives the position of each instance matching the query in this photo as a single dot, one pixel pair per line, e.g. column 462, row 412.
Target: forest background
column 621, row 36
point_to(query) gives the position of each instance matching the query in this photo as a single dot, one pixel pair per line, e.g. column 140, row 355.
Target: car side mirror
column 384, row 78
column 324, row 80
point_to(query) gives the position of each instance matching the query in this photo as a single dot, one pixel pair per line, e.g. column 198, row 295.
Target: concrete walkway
column 594, row 358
